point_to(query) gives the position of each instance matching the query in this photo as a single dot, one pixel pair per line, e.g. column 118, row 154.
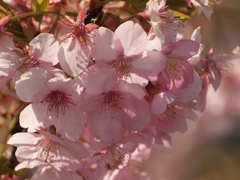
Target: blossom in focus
column 123, row 54
column 75, row 50
column 109, row 113
column 55, row 101
column 42, row 53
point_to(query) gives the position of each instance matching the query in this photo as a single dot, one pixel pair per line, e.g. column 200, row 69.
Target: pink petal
column 191, row 92
column 135, row 79
column 207, row 11
column 8, row 62
column 24, row 139
column 76, row 149
column 98, row 80
column 44, row 47
column 65, row 85
column 73, row 57
column 130, row 90
column 37, row 79
column 137, row 114
column 105, row 125
column 160, row 102
column 71, row 123
column 48, row 172
column 156, row 24
column 133, row 38
column 183, row 49
column 154, row 43
column 28, row 164
column 171, row 125
column 103, row 46
column 149, row 64
column 33, row 116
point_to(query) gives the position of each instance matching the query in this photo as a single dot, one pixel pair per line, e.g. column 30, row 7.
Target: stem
column 74, row 14
column 54, row 24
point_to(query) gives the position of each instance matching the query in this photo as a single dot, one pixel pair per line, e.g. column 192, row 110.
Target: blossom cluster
column 100, row 98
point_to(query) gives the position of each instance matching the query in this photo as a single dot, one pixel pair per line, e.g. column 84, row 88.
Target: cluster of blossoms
column 99, row 99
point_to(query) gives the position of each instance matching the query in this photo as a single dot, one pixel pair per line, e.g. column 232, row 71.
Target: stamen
column 121, row 63
column 111, row 101
column 58, row 102
column 27, row 63
column 82, row 33
column 48, row 150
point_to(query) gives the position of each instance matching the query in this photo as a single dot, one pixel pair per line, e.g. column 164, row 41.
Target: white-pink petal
column 97, row 80
column 149, row 64
column 34, row 116
column 160, row 102
column 44, row 47
column 24, row 139
column 32, row 85
column 133, row 38
column 73, row 57
column 191, row 92
column 103, row 49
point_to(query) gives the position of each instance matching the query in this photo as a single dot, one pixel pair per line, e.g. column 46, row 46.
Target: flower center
column 48, row 150
column 111, row 101
column 121, row 63
column 27, row 63
column 176, row 67
column 58, row 102
column 169, row 113
column 82, row 33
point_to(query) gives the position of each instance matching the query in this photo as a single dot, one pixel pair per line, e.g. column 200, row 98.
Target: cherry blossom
column 164, row 23
column 133, row 170
column 57, row 97
column 123, row 54
column 47, row 149
column 75, row 50
column 42, row 53
column 123, row 106
column 178, row 73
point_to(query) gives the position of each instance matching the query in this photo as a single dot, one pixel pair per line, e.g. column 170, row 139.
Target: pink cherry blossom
column 124, row 52
column 49, row 172
column 174, row 118
column 47, row 148
column 164, row 23
column 134, row 169
column 115, row 155
column 57, row 97
column 209, row 73
column 42, row 53
column 123, row 106
column 178, row 73
column 75, row 50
